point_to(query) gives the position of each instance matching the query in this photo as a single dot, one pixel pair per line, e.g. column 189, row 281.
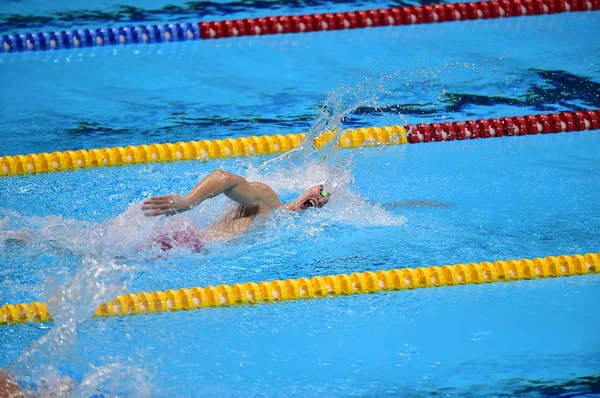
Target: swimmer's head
column 315, row 196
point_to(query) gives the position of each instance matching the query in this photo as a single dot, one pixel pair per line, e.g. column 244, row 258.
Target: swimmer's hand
column 167, row 204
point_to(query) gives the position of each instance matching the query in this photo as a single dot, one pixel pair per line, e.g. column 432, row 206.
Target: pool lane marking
column 408, row 15
column 322, row 286
column 274, row 144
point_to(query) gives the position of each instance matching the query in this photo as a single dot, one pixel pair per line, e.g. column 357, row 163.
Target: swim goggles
column 323, row 192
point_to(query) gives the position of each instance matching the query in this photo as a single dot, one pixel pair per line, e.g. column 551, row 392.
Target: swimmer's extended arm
column 218, row 182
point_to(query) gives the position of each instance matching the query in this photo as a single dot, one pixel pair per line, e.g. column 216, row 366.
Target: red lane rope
column 504, row 126
column 390, row 17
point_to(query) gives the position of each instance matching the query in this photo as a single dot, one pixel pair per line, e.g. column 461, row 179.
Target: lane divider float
column 66, row 39
column 267, row 145
column 410, row 15
column 322, row 286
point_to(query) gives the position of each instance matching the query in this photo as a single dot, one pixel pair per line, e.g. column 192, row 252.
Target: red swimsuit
column 186, row 238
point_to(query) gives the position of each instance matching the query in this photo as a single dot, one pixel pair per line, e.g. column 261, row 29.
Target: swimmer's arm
column 235, row 187
column 218, row 182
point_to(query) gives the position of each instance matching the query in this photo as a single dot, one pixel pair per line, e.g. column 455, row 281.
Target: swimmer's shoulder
column 262, row 190
column 266, row 195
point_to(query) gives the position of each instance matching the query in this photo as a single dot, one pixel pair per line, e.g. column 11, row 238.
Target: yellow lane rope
column 266, row 144
column 205, row 149
column 323, row 286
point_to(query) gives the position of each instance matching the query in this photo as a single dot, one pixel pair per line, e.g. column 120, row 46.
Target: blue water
column 404, row 206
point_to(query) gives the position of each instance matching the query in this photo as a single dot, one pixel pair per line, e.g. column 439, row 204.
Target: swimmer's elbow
column 218, row 173
column 229, row 179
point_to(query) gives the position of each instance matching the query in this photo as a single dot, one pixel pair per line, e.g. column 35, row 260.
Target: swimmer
column 8, row 386
column 251, row 198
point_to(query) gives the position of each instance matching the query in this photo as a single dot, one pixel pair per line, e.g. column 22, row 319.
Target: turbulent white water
column 292, row 172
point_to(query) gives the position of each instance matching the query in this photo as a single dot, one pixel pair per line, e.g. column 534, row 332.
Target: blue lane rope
column 99, row 37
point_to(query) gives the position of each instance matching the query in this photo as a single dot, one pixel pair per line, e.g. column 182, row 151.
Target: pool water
column 81, row 236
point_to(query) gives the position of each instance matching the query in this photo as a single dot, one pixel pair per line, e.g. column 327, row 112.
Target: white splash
column 115, row 380
column 72, row 300
column 305, row 166
column 340, row 102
